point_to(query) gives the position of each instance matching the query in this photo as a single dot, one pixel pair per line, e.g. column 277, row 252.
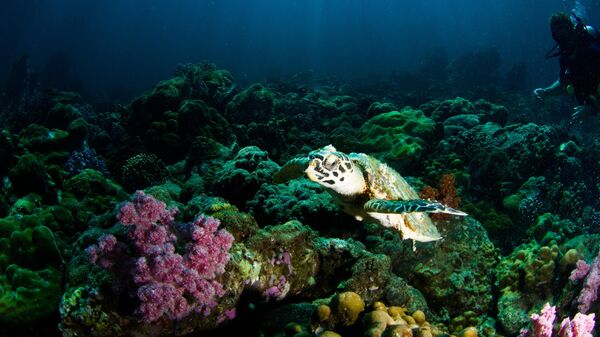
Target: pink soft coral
column 543, row 324
column 580, row 272
column 589, row 293
column 168, row 283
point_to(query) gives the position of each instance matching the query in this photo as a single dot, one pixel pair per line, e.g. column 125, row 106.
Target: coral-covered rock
column 30, row 276
column 455, row 275
column 239, row 179
column 301, row 200
column 254, row 104
column 501, row 159
column 28, row 296
column 377, row 108
column 398, row 137
column 480, row 110
column 195, row 118
column 61, row 115
column 37, row 138
column 29, row 175
column 165, row 96
column 460, row 271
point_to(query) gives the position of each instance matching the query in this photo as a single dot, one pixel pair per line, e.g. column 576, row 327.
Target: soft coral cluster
column 447, row 194
column 590, row 274
column 167, row 282
column 542, row 325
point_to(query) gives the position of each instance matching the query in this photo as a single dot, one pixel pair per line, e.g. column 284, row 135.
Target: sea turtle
column 369, row 190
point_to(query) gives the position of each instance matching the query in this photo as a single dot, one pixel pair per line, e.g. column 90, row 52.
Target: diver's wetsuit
column 581, row 67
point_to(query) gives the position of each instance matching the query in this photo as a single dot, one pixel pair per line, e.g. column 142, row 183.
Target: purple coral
column 589, row 293
column 86, row 158
column 581, row 326
column 542, row 325
column 169, row 283
column 580, row 271
column 278, row 289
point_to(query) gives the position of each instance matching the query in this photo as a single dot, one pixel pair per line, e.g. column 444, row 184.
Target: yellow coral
column 347, row 306
column 569, row 259
column 323, row 312
column 468, row 332
column 419, row 317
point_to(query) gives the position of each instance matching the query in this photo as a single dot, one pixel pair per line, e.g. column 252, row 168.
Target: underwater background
column 152, row 158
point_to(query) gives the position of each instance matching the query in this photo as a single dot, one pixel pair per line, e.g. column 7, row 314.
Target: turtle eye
column 331, row 162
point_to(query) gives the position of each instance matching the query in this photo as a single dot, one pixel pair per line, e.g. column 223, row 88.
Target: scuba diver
column 578, row 49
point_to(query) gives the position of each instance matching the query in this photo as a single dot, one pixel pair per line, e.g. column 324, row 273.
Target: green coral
column 253, row 104
column 60, row 115
column 165, row 96
column 301, row 199
column 513, row 313
column 171, row 135
column 34, row 247
column 240, row 225
column 30, row 175
column 26, row 205
column 498, row 225
column 79, row 307
column 195, row 118
column 446, row 163
column 28, row 295
column 549, row 227
column 458, row 275
column 38, row 138
column 93, row 191
column 451, row 107
column 397, row 136
column 529, row 268
column 338, row 104
column 162, row 137
column 377, row 108
column 238, row 179
column 525, row 279
column 484, row 110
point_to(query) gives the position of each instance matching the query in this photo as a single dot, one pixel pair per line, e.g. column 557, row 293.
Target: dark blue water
column 94, row 46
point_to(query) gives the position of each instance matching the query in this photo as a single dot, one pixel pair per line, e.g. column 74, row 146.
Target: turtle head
column 334, row 170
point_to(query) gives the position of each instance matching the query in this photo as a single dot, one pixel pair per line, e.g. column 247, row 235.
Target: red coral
column 446, row 193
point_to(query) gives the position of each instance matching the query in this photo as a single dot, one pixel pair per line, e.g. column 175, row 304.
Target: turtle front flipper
column 409, row 206
column 291, row 170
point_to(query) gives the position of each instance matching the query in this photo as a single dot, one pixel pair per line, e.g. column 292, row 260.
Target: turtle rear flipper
column 291, row 170
column 409, row 206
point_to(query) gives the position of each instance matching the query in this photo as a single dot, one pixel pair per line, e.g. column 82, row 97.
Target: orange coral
column 446, row 193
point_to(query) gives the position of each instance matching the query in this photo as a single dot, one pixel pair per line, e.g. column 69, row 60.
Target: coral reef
column 397, row 137
column 247, row 256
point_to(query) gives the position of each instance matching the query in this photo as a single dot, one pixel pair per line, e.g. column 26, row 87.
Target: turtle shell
column 383, row 182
